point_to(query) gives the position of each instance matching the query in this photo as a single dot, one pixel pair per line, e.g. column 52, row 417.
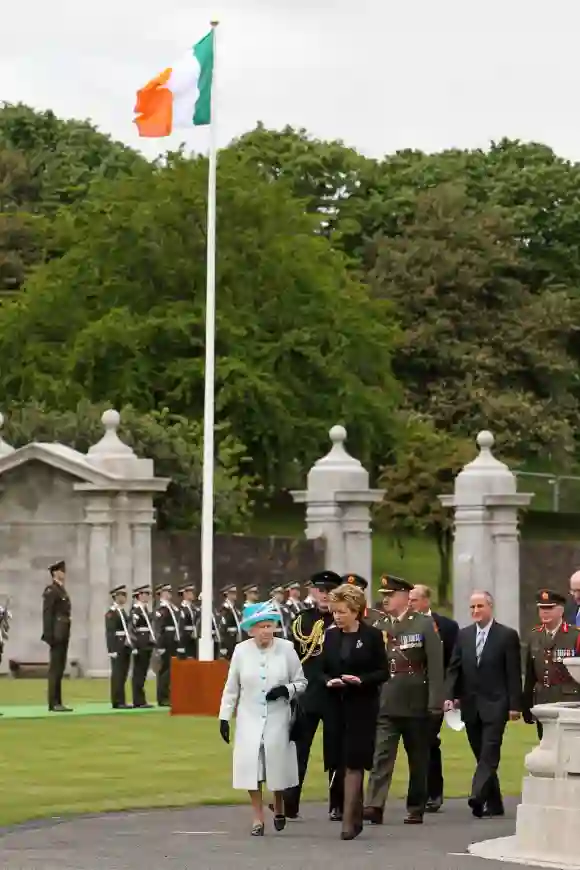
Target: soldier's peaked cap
column 250, row 587
column 230, row 587
column 58, row 566
column 292, row 585
column 549, row 598
column 276, row 589
column 163, row 587
column 355, row 580
column 186, row 587
column 118, row 589
column 390, row 583
column 326, row 580
column 139, row 589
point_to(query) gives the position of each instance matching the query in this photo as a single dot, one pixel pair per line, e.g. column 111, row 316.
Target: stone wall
column 544, row 563
column 238, row 559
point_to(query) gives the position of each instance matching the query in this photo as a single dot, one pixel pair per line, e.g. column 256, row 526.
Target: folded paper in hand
column 453, row 720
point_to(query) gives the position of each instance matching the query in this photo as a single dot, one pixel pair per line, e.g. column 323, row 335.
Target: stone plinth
column 338, row 501
column 486, row 539
column 96, row 512
column 547, row 818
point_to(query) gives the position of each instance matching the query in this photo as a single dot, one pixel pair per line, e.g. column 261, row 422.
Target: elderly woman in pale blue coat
column 265, row 675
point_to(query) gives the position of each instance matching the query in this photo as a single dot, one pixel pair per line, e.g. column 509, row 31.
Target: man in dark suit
column 420, row 601
column 484, row 679
column 572, row 608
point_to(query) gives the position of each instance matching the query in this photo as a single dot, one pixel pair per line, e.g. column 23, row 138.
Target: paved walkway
column 216, row 838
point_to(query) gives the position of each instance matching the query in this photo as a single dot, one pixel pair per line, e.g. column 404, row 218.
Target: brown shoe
column 413, row 819
column 374, row 815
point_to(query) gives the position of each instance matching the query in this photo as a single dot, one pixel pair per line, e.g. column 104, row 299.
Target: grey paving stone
column 217, row 838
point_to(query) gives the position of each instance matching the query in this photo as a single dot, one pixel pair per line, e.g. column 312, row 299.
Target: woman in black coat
column 353, row 667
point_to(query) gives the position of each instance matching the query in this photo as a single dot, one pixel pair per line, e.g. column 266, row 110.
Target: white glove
column 113, row 655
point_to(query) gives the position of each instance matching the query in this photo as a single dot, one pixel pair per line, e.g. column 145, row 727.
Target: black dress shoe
column 122, row 707
column 143, row 706
column 60, row 708
column 279, row 822
column 476, row 807
column 335, row 815
column 374, row 815
column 493, row 812
column 164, row 704
column 413, row 819
column 433, row 805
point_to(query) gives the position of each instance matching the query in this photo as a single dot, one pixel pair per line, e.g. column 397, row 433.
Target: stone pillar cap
column 485, row 474
column 338, row 470
column 110, row 446
column 5, row 449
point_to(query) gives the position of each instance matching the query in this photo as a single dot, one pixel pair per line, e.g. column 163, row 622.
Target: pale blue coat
column 252, row 673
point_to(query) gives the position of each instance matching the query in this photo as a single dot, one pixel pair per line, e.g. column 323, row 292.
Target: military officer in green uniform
column 56, row 625
column 547, row 680
column 120, row 646
column 413, row 692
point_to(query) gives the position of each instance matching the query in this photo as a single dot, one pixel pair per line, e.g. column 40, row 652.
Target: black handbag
column 295, row 720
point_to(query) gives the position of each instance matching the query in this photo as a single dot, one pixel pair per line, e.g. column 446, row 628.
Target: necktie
column 578, row 617
column 479, row 645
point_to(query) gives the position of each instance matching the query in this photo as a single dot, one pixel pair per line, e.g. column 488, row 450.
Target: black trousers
column 309, row 723
column 141, row 662
column 485, row 739
column 191, row 648
column 435, row 770
column 540, row 730
column 120, row 665
column 56, row 666
column 164, row 676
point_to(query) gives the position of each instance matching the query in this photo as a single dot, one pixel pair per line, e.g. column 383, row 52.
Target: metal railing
column 554, row 492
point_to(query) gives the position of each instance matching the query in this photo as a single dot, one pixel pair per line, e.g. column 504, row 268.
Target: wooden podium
column 196, row 687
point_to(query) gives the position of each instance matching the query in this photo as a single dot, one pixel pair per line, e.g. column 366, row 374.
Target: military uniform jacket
column 117, row 630
column 142, row 630
column 307, row 632
column 546, row 678
column 229, row 623
column 189, row 617
column 293, row 608
column 374, row 617
column 415, row 655
column 166, row 626
column 283, row 628
column 56, row 614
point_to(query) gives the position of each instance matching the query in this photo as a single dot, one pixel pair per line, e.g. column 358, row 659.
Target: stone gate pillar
column 486, row 540
column 338, row 501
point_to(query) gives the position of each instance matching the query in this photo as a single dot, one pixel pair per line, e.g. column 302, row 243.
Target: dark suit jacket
column 448, row 631
column 492, row 688
column 570, row 611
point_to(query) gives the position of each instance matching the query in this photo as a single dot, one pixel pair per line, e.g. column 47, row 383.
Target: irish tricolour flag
column 180, row 96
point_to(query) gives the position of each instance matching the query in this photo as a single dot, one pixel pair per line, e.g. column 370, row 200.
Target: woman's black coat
column 350, row 717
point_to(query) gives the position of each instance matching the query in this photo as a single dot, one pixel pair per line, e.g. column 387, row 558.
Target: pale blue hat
column 260, row 612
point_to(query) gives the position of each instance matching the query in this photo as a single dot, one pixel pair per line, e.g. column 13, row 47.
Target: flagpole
column 206, row 647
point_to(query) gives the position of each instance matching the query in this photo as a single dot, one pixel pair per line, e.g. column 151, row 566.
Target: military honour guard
column 278, row 603
column 309, row 599
column 294, row 604
column 413, row 693
column 56, row 627
column 190, row 621
column 551, row 644
column 120, row 646
column 143, row 633
column 229, row 621
column 169, row 641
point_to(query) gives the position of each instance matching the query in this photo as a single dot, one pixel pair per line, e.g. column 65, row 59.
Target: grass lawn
column 55, row 767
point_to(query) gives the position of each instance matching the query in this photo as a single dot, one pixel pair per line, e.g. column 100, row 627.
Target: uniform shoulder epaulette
column 47, row 589
column 538, row 628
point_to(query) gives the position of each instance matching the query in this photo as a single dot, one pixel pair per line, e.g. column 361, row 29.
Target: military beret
column 549, row 598
column 250, row 587
column 117, row 590
column 186, row 587
column 230, row 587
column 354, row 580
column 163, row 587
column 326, row 580
column 390, row 583
column 58, row 566
column 140, row 589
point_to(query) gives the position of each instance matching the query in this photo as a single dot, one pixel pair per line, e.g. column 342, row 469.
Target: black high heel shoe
column 257, row 829
column 279, row 821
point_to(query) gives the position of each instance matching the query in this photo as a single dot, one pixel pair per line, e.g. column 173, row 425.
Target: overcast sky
column 379, row 74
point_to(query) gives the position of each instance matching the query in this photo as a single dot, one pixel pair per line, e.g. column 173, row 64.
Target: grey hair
column 487, row 595
column 423, row 590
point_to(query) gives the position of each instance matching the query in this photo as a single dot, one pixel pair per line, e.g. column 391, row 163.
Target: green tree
column 173, row 442
column 422, row 468
column 479, row 349
column 120, row 317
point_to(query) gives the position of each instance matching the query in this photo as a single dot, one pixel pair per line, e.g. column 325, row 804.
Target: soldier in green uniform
column 120, row 646
column 413, row 692
column 168, row 638
column 189, row 621
column 229, row 621
column 547, row 680
column 144, row 639
column 56, row 622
